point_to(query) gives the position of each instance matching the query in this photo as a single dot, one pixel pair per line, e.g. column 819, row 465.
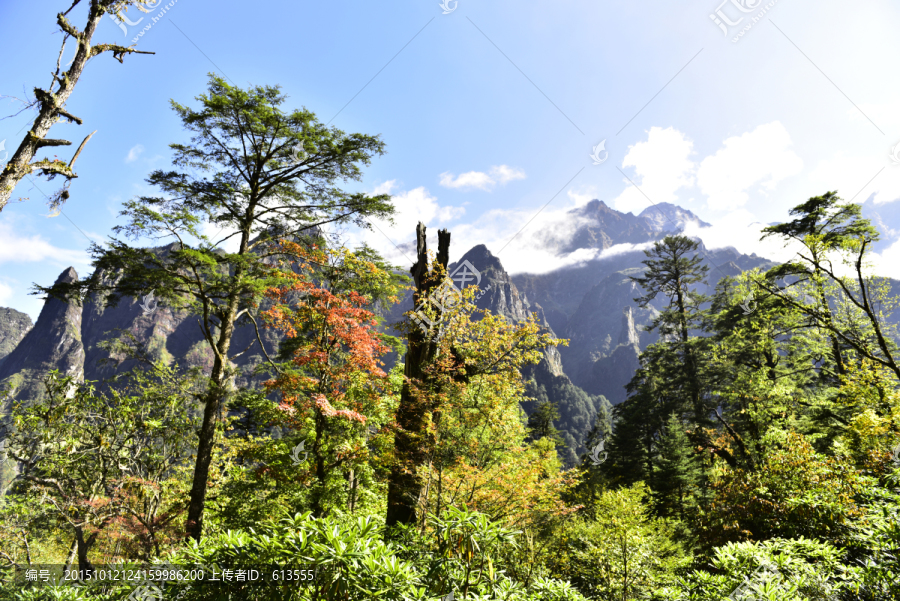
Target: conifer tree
column 675, row 481
column 673, row 269
column 671, row 378
column 541, row 423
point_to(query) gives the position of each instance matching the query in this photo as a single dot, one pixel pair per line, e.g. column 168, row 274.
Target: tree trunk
column 219, row 389
column 319, row 463
column 406, row 482
column 85, row 568
column 351, row 500
column 73, row 550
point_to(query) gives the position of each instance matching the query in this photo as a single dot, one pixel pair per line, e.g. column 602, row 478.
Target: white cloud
column 134, row 153
column 533, row 249
column 384, row 187
column 499, row 174
column 584, row 196
column 859, row 176
column 525, row 244
column 662, row 165
column 18, row 248
column 761, row 156
column 739, row 229
column 472, row 179
column 5, row 294
column 410, row 207
column 413, row 206
column 887, row 263
column 504, row 174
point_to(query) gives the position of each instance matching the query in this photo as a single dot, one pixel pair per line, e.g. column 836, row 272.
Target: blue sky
column 489, row 113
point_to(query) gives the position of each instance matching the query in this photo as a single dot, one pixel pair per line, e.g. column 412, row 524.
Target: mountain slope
column 53, row 343
column 13, row 327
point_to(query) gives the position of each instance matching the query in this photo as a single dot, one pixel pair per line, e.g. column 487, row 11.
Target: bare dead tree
column 406, row 480
column 51, row 102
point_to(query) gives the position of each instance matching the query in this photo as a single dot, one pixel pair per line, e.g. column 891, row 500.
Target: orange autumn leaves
column 335, row 347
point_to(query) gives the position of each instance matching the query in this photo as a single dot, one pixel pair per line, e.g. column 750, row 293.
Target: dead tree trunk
column 51, row 103
column 411, row 441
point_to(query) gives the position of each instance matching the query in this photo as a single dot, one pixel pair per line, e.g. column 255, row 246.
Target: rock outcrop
column 13, row 327
column 628, row 334
column 53, row 343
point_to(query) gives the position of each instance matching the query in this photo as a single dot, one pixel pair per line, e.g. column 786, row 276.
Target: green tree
column 639, row 420
column 830, row 230
column 467, row 402
column 258, row 172
column 623, row 554
column 332, row 385
column 796, row 492
column 97, row 458
column 673, row 375
column 676, row 481
column 673, row 268
column 541, row 423
column 766, row 365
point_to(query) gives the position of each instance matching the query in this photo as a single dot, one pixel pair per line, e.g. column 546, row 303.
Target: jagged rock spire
column 53, row 343
column 628, row 334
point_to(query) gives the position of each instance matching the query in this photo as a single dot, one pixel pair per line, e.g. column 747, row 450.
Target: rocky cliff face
column 53, row 343
column 609, row 374
column 168, row 334
column 13, row 327
column 628, row 335
column 596, row 325
column 545, row 381
column 502, row 297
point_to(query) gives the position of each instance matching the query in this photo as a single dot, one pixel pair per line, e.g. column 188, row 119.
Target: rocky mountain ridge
column 13, row 327
column 53, row 343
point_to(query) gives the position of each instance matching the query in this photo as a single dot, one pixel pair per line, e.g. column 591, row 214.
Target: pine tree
column 677, row 474
column 671, row 272
column 672, row 376
column 541, row 423
column 639, row 420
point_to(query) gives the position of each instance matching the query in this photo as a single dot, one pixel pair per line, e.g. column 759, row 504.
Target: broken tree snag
column 411, row 440
column 51, row 102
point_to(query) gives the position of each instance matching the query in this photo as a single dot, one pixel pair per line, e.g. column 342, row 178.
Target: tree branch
column 261, row 345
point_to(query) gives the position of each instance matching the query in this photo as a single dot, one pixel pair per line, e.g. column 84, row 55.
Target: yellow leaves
column 793, row 490
column 869, row 438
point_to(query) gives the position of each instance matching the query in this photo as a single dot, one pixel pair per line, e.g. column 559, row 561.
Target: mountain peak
column 665, row 216
column 68, row 276
column 54, row 342
column 596, row 206
column 481, row 259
